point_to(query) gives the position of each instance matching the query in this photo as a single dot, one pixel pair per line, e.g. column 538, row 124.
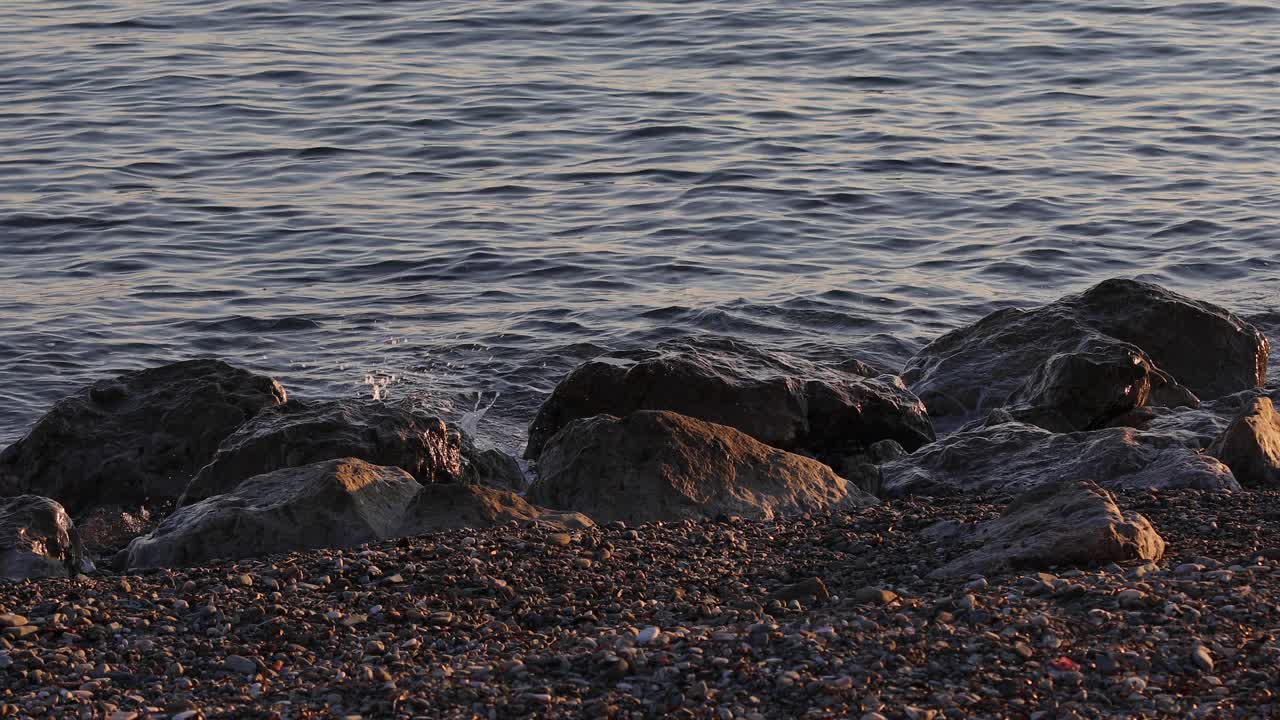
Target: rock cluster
column 712, row 530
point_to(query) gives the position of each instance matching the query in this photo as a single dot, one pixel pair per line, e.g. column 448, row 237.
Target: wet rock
column 299, row 433
column 1087, row 387
column 778, row 400
column 443, row 506
column 491, row 467
column 1204, row 348
column 138, row 437
column 1250, row 445
column 335, row 503
column 1063, row 524
column 665, row 466
column 38, row 539
column 1192, row 427
column 1015, row 457
column 110, row 527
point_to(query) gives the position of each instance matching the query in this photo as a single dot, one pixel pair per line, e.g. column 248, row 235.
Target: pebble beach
column 821, row 616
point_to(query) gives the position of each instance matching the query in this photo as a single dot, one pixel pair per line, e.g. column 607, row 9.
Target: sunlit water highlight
column 455, row 200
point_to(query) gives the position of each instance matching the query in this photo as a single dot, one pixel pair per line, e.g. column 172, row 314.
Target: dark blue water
column 463, row 199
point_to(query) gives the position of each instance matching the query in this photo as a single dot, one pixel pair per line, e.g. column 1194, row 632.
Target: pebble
column 240, row 664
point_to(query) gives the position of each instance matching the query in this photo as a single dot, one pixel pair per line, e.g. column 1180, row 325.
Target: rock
column 778, row 400
column 1192, row 427
column 445, row 506
column 1015, row 457
column 648, row 635
column 335, row 503
column 1011, row 356
column 1064, row 524
column 108, row 528
column 38, row 539
column 1089, row 386
column 240, row 664
column 1202, row 659
column 136, row 437
column 874, row 596
column 1250, row 445
column 807, row 590
column 491, row 467
column 655, row 465
column 298, row 433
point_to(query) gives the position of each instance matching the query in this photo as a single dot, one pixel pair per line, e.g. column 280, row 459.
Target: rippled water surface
column 464, row 199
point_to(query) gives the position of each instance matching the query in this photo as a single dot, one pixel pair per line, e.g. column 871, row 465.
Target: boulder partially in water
column 38, row 539
column 1250, row 445
column 1087, row 358
column 1013, row 457
column 299, row 433
column 658, row 465
column 780, row 401
column 1060, row 524
column 138, row 437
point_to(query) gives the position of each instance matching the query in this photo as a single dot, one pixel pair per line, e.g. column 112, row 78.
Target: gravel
column 813, row 617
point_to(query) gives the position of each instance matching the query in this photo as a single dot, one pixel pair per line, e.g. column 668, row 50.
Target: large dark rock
column 1012, row 457
column 1060, row 524
column 336, row 503
column 780, row 401
column 299, row 433
column 657, row 465
column 333, row 503
column 1250, row 445
column 38, row 539
column 137, row 437
column 1089, row 357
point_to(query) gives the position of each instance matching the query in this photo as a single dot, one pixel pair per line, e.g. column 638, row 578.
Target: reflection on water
column 473, row 196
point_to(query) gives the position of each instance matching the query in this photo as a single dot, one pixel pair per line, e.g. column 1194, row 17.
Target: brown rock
column 335, row 503
column 1064, row 524
column 663, row 466
column 1250, row 445
column 444, row 506
column 38, row 539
